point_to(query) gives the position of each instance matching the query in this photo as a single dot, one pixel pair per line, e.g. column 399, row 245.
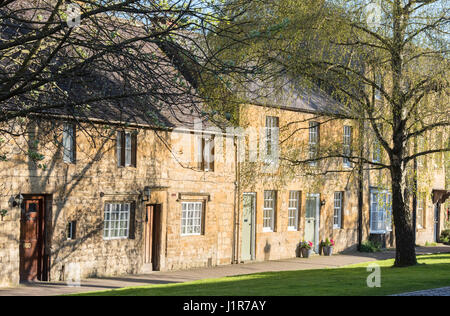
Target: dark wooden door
column 156, row 243
column 153, row 236
column 31, row 239
column 148, row 234
column 437, row 221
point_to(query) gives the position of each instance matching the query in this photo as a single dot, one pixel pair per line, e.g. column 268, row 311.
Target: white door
column 248, row 226
column 312, row 220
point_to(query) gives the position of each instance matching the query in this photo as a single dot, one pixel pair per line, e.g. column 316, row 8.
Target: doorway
column 248, row 226
column 32, row 240
column 152, row 251
column 312, row 220
column 437, row 221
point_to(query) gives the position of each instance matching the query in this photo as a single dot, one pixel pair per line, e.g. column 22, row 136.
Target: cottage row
column 132, row 198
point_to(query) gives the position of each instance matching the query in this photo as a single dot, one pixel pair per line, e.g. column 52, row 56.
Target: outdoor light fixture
column 146, row 194
column 17, row 201
column 322, row 203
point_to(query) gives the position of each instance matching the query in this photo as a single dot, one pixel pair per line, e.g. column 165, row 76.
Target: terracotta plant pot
column 327, row 251
column 306, row 252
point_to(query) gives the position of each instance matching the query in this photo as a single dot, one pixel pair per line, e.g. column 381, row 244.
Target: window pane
column 117, row 216
column 191, row 223
column 68, row 143
column 337, row 209
column 127, row 149
column 269, row 210
column 119, row 148
column 313, row 141
column 294, row 202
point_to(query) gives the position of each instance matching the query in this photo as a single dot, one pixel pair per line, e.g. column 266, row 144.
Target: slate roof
column 155, row 100
column 296, row 97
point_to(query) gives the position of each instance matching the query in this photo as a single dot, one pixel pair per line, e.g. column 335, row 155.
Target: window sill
column 292, row 229
column 378, row 232
column 115, row 238
column 267, row 230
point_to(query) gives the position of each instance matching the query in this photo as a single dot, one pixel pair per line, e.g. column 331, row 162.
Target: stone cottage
column 142, row 197
column 123, row 191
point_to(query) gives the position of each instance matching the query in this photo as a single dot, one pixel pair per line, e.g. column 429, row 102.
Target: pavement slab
column 443, row 291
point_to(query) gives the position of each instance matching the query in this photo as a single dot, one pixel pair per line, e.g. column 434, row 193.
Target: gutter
column 126, row 124
column 236, row 211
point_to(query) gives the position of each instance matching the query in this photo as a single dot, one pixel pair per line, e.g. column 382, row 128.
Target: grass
column 433, row 271
column 430, row 244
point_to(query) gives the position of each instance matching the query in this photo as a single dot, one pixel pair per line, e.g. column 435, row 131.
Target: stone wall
column 78, row 192
column 283, row 243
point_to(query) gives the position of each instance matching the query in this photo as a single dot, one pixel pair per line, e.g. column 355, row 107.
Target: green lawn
column 432, row 271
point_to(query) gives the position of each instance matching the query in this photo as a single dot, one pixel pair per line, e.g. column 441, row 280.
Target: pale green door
column 312, row 216
column 248, row 227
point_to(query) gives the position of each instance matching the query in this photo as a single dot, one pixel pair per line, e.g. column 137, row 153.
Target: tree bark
column 404, row 232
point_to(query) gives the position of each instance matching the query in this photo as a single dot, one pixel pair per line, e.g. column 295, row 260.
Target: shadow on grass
column 348, row 281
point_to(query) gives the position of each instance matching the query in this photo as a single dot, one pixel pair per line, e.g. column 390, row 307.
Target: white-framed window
column 293, row 210
column 270, row 200
column 376, row 151
column 380, row 211
column 71, row 230
column 338, row 206
column 347, row 145
column 126, row 147
column 205, row 152
column 438, row 144
column 421, row 146
column 313, row 141
column 116, row 223
column 69, row 134
column 420, row 217
column 379, row 83
column 272, row 135
column 191, row 218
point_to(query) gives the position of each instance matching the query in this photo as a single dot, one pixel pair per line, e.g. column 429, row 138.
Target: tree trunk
column 404, row 233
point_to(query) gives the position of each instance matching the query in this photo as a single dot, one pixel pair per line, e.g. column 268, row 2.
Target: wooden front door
column 437, row 221
column 248, row 226
column 153, row 236
column 31, row 250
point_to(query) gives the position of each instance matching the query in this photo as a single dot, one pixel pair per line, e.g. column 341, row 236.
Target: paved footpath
column 443, row 291
column 157, row 277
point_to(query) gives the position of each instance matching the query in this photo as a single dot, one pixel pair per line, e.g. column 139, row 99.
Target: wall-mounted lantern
column 146, row 194
column 322, row 202
column 16, row 201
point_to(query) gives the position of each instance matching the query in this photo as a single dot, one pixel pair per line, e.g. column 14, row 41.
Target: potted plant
column 306, row 248
column 3, row 213
column 327, row 247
